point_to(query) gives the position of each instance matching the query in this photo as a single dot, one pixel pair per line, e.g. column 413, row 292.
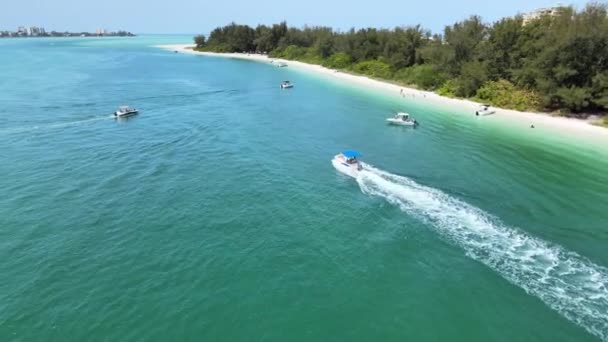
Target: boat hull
column 123, row 115
column 400, row 122
column 351, row 170
column 485, row 112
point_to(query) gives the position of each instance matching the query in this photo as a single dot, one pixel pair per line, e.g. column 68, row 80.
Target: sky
column 201, row 16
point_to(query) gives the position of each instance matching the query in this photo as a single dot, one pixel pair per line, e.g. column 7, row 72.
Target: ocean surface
column 216, row 215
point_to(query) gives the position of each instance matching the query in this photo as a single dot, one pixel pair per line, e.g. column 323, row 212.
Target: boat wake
column 185, row 95
column 567, row 282
column 50, row 126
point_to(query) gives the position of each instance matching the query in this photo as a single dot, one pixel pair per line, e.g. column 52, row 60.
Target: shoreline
column 572, row 127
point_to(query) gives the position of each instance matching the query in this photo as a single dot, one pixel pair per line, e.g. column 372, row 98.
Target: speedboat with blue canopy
column 347, row 163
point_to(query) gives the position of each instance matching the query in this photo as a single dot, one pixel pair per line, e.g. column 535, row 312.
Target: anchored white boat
column 286, row 85
column 125, row 111
column 402, row 119
column 281, row 64
column 485, row 110
column 347, row 163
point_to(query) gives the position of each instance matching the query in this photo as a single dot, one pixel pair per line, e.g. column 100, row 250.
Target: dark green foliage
column 500, row 51
column 600, row 89
column 575, row 98
column 503, row 93
column 376, row 69
column 550, row 63
column 464, row 39
column 472, row 76
column 338, row 60
column 448, row 89
column 199, row 41
column 231, row 38
column 293, row 52
column 425, row 76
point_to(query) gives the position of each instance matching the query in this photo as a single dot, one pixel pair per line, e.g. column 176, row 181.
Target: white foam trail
column 49, row 126
column 567, row 282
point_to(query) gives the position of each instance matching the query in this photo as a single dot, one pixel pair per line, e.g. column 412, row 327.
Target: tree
column 472, row 76
column 425, row 76
column 199, row 41
column 501, row 49
column 338, row 60
column 464, row 38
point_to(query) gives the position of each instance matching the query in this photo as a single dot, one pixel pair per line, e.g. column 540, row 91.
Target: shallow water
column 216, row 214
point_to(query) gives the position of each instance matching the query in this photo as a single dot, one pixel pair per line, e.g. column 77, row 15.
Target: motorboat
column 347, row 163
column 286, row 85
column 402, row 119
column 485, row 110
column 124, row 111
column 281, row 64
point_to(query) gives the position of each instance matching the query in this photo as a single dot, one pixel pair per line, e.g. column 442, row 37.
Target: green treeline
column 551, row 63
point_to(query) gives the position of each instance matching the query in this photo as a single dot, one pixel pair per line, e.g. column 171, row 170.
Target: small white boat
column 281, row 64
column 286, row 85
column 125, row 111
column 347, row 163
column 402, row 119
column 485, row 110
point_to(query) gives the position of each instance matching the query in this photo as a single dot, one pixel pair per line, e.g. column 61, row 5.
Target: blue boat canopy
column 351, row 154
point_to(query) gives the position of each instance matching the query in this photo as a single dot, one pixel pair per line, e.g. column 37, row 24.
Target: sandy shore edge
column 571, row 127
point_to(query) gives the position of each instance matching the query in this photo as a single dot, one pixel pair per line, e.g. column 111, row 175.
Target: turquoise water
column 216, row 214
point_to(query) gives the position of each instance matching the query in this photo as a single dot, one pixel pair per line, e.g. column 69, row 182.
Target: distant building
column 541, row 12
column 33, row 31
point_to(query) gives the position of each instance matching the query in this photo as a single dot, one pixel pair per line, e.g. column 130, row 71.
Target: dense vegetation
column 552, row 63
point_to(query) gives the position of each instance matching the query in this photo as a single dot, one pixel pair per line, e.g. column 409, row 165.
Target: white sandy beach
column 567, row 126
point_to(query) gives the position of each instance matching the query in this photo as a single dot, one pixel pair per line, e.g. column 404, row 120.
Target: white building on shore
column 541, row 12
column 31, row 31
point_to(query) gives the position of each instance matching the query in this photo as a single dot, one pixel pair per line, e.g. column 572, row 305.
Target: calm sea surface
column 216, row 215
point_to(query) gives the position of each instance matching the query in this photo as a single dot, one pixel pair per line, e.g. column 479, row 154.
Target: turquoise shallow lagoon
column 216, row 215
